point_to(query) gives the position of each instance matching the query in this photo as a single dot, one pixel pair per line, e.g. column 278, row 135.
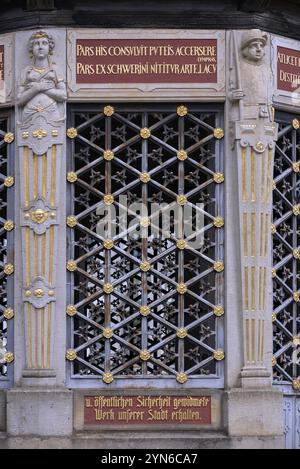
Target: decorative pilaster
column 254, row 134
column 40, row 139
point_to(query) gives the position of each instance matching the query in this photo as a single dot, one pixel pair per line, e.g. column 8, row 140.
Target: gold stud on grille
column 218, row 222
column 8, row 313
column 273, row 228
column 274, row 316
column 181, row 244
column 71, row 221
column 218, row 178
column 181, row 378
column 296, row 297
column 71, row 266
column 296, row 210
column 296, row 384
column 273, row 273
column 219, row 355
column 8, row 357
column 71, row 355
column 181, row 199
column 145, row 266
column 72, row 177
column 108, row 155
column 145, row 222
column 72, row 132
column 296, row 167
column 295, row 124
column 145, row 177
column 8, row 269
column 219, row 266
column 108, row 244
column 145, row 355
column 71, row 310
column 107, row 378
column 273, row 185
column 296, row 340
column 9, row 181
column 182, row 111
column 145, row 310
column 218, row 311
column 296, row 253
column 181, row 288
column 107, row 333
column 9, row 137
column 9, row 225
column 181, row 333
column 218, row 133
column 108, row 111
column 145, row 133
column 274, row 361
column 108, row 288
column 182, row 155
column 108, row 199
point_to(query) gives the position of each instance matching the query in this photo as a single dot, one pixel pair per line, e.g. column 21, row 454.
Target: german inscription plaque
column 288, row 69
column 135, row 410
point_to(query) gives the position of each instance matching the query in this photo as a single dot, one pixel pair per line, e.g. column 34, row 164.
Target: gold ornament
column 273, row 185
column 9, row 225
column 181, row 378
column 296, row 297
column 218, row 133
column 296, row 210
column 108, row 155
column 145, row 222
column 8, row 357
column 25, row 135
column 9, row 137
column 145, row 310
column 71, row 354
column 145, row 133
column 181, row 288
column 51, row 293
column 296, row 341
column 8, row 313
column 108, row 111
column 295, row 124
column 39, row 134
column 71, row 266
column 296, row 167
column 71, row 310
column 273, row 228
column 108, row 288
column 39, row 293
column 72, row 177
column 182, row 111
column 218, row 178
column 107, row 378
column 219, row 355
column 274, row 361
column 72, row 132
column 181, row 199
column 296, row 253
column 274, row 316
column 218, row 222
column 145, row 266
column 218, row 311
column 108, row 244
column 296, row 384
column 273, row 273
column 28, row 293
column 145, row 177
column 108, row 199
column 219, row 266
column 145, row 355
column 181, row 244
column 9, row 181
column 259, row 147
column 8, row 269
column 107, row 333
column 39, row 216
column 182, row 155
column 71, row 221
column 52, row 215
column 54, row 133
column 181, row 333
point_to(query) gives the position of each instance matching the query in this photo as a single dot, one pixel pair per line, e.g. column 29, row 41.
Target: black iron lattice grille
column 5, row 234
column 177, row 332
column 286, row 253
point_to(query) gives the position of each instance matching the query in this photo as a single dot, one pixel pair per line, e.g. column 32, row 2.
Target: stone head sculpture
column 253, row 44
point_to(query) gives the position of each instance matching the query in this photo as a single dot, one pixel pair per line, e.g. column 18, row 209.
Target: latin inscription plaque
column 135, row 410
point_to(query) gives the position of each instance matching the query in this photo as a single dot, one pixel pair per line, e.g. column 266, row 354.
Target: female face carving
column 40, row 48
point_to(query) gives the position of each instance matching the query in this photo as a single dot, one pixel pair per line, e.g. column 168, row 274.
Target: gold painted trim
column 263, row 176
column 36, row 336
column 49, row 335
column 269, row 178
column 253, row 233
column 267, row 231
column 253, row 339
column 253, row 289
column 29, row 331
column 247, row 341
column 246, row 274
column 51, row 254
column 44, row 178
column 244, row 171
column 26, row 177
column 28, row 257
column 43, row 338
column 53, row 175
column 253, row 176
column 261, row 244
column 245, row 233
column 35, row 176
